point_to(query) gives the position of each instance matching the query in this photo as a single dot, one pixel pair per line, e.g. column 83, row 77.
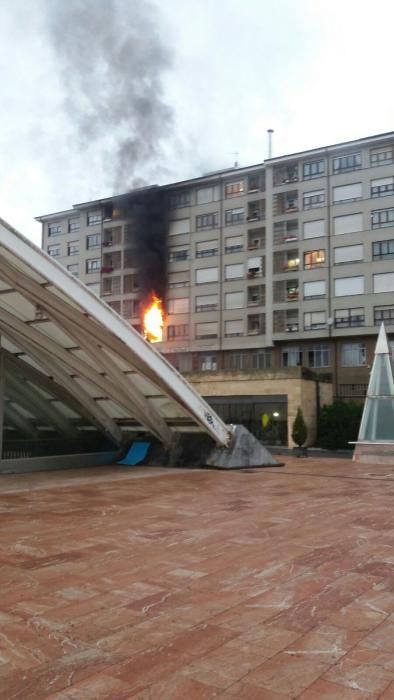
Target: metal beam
column 114, row 391
column 55, row 370
column 143, row 355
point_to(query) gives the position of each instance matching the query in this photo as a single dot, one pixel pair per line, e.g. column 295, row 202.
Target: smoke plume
column 112, row 62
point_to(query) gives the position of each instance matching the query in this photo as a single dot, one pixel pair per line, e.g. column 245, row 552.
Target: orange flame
column 154, row 321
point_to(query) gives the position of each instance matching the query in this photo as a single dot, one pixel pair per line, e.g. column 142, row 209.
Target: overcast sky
column 316, row 71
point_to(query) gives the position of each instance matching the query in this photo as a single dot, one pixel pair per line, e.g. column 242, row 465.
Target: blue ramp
column 136, row 454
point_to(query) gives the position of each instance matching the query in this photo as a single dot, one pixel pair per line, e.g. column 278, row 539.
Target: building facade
column 282, row 264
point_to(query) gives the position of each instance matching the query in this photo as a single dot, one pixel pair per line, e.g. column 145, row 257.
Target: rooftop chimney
column 270, row 132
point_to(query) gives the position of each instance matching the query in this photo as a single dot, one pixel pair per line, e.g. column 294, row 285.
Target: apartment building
column 285, row 264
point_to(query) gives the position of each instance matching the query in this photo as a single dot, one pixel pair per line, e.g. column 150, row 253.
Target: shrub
column 338, row 425
column 300, row 431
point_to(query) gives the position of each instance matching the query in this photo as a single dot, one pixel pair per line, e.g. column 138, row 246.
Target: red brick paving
column 171, row 585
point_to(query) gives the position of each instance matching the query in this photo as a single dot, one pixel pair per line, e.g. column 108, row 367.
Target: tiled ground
column 267, row 585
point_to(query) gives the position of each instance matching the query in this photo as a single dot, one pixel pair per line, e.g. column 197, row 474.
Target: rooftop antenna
column 270, row 132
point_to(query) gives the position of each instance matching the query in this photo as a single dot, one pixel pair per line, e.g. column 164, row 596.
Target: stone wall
column 291, row 382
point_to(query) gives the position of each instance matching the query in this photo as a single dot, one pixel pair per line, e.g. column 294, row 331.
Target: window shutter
column 207, row 274
column 234, row 271
column 347, row 286
column 234, row 300
column 383, row 282
column 179, row 226
column 350, row 223
column 343, row 192
column 314, row 289
column 348, row 253
column 314, row 229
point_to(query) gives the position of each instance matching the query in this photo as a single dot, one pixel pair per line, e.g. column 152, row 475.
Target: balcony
column 286, row 232
column 106, row 269
column 256, row 211
column 285, row 290
column 285, row 203
column 256, row 238
column 283, row 175
column 256, row 324
column 256, row 296
column 286, row 321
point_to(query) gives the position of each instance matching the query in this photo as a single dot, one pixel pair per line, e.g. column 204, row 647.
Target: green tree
column 338, row 425
column 300, row 431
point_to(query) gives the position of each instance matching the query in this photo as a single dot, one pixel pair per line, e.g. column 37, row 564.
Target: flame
column 154, row 321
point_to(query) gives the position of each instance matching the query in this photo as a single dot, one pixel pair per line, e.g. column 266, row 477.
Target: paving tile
column 363, row 669
column 197, row 584
column 325, row 690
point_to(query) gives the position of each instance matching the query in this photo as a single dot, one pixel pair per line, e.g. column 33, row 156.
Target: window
column 383, row 250
column 179, row 331
column 233, row 189
column 314, row 258
column 206, row 249
column 178, row 226
column 93, row 241
column 348, row 390
column 54, row 250
column 233, row 244
column 381, row 218
column 94, row 218
column 319, row 356
column 313, row 199
column 353, row 355
column 178, row 253
column 314, row 229
column 178, row 306
column 178, row 279
column 350, row 162
column 291, row 357
column 349, row 318
column 383, row 314
column 207, row 274
column 74, row 269
column 314, row 289
column 382, row 187
column 381, row 156
column 131, row 308
column 349, row 223
column 314, row 168
column 73, row 248
column 248, row 360
column 54, row 229
column 94, row 287
column 205, row 195
column 208, row 363
column 130, row 284
column 347, row 193
column 233, row 329
column 348, row 253
column 233, row 272
column 208, row 302
column 234, row 216
column 93, row 265
column 348, row 286
column 111, row 285
column 180, row 199
column 313, row 320
column 234, row 300
column 383, row 282
column 74, row 224
column 207, row 330
column 207, row 220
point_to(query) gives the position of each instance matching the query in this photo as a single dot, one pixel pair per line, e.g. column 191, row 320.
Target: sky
column 218, row 74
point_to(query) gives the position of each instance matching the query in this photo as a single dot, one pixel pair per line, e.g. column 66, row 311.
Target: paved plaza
column 153, row 584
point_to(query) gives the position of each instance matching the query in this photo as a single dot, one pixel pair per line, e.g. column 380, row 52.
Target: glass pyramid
column 377, row 423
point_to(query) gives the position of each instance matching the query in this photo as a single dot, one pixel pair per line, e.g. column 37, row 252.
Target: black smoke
column 112, row 61
column 148, row 239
